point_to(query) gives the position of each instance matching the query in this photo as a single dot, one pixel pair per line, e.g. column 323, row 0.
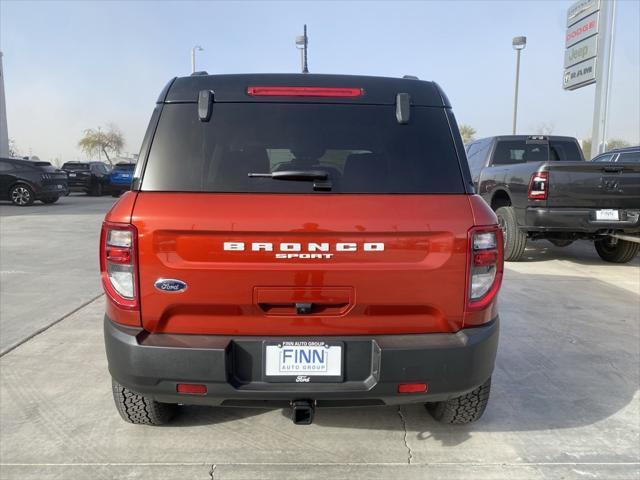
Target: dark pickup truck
column 541, row 188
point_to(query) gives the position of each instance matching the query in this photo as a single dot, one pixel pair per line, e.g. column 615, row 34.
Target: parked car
column 315, row 245
column 541, row 188
column 89, row 177
column 25, row 181
column 121, row 178
column 623, row 155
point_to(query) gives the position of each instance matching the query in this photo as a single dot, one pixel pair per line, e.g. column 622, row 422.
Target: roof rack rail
column 200, row 73
column 410, row 77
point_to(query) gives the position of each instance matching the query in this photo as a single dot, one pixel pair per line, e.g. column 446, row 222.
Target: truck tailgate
column 593, row 185
column 366, row 263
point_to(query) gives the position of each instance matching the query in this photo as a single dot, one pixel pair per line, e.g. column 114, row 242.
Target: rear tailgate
column 593, row 185
column 379, row 264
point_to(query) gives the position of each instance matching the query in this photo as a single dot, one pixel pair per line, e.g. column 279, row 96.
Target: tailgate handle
column 304, row 308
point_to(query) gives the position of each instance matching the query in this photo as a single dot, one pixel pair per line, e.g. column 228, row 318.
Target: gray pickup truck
column 542, row 188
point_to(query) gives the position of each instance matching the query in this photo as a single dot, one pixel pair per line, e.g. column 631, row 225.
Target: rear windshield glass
column 75, row 167
column 519, row 151
column 361, row 148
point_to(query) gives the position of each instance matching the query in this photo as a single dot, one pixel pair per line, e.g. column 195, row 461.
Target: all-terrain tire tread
column 464, row 409
column 138, row 409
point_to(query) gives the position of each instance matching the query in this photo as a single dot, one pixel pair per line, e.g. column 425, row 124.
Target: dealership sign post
column 587, row 58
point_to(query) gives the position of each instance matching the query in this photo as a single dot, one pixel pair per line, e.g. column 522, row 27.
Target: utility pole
column 302, row 41
column 604, row 65
column 4, row 133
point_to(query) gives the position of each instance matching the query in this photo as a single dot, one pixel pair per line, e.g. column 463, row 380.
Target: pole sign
column 581, row 44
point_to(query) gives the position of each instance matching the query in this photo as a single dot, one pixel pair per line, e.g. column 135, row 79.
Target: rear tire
column 49, row 200
column 464, row 409
column 22, row 195
column 515, row 240
column 140, row 410
column 622, row 251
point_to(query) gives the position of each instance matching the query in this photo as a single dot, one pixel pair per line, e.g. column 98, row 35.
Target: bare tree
column 614, row 143
column 545, row 128
column 467, row 132
column 14, row 150
column 586, row 148
column 96, row 142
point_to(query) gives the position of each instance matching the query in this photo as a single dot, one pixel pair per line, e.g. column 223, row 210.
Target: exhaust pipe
column 302, row 412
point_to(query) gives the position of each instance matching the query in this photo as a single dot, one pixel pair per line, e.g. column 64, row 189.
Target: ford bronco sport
column 301, row 241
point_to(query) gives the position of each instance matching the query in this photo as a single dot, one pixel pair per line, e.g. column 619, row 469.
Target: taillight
column 485, row 266
column 304, row 92
column 118, row 263
column 539, row 186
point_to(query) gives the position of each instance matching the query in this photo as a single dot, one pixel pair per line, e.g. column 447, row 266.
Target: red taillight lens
column 118, row 263
column 412, row 388
column 539, row 186
column 191, row 388
column 485, row 266
column 304, row 92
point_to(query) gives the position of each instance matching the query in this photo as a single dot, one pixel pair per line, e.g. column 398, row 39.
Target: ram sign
column 581, row 44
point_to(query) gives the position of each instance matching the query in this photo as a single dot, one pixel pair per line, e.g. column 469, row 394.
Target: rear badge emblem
column 170, row 285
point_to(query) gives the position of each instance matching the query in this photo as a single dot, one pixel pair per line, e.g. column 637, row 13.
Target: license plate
column 607, row 215
column 303, row 361
column 72, row 174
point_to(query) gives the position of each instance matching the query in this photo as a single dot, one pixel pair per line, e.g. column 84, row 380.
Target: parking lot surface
column 564, row 401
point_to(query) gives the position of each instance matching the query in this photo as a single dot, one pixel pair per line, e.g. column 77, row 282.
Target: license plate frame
column 334, row 349
column 608, row 215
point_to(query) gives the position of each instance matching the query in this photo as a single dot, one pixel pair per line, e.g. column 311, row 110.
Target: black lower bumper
column 232, row 367
column 578, row 220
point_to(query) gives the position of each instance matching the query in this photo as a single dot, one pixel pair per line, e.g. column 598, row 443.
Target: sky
column 70, row 66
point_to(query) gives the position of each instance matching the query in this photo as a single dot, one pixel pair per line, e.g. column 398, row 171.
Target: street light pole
column 518, row 44
column 193, row 57
column 302, row 41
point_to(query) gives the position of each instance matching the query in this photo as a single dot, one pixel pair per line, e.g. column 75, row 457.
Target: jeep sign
column 580, row 52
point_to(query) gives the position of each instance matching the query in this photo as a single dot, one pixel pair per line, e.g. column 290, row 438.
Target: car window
column 564, row 150
column 604, row 158
column 6, row 166
column 519, row 151
column 361, row 148
column 629, row 157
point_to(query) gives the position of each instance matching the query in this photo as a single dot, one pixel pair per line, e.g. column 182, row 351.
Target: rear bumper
column 52, row 190
column 231, row 367
column 578, row 220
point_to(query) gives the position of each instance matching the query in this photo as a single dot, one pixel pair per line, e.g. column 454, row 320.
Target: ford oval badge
column 170, row 285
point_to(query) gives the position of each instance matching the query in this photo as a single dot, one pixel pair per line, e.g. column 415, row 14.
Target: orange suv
column 301, row 241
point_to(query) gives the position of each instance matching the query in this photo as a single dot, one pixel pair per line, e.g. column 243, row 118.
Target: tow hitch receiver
column 302, row 412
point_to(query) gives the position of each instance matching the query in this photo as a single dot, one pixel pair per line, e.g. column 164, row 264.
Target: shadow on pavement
column 581, row 252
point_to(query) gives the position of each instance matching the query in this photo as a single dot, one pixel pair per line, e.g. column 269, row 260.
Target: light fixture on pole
column 518, row 44
column 193, row 57
column 301, row 44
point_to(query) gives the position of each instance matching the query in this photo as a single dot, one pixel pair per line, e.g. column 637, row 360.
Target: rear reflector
column 412, row 388
column 191, row 388
column 304, row 92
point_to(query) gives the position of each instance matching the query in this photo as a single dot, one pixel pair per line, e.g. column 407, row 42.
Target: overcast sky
column 74, row 65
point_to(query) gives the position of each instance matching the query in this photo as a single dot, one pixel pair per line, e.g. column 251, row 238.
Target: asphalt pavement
column 564, row 401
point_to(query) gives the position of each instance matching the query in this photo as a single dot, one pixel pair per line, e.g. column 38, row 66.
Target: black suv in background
column 89, row 177
column 25, row 181
column 622, row 155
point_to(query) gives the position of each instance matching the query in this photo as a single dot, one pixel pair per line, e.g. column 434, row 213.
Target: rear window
column 519, row 151
column 633, row 157
column 361, row 148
